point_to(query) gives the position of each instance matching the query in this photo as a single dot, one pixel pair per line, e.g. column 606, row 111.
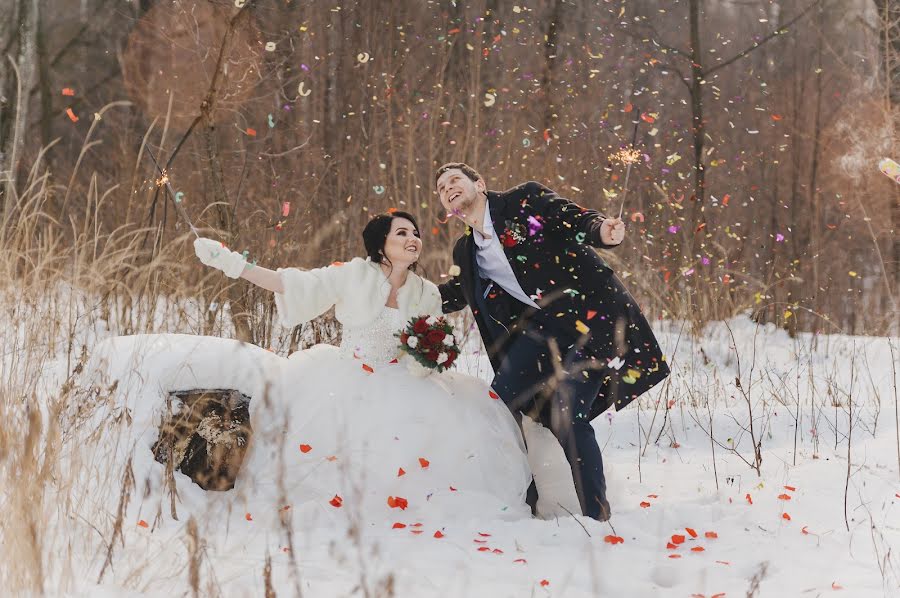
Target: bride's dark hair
column 376, row 232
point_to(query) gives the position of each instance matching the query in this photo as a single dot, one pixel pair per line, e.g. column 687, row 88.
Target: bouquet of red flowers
column 429, row 341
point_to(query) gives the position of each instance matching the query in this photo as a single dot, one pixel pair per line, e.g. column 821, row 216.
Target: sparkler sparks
column 626, row 156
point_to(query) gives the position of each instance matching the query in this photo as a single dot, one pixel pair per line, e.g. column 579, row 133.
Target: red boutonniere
column 513, row 234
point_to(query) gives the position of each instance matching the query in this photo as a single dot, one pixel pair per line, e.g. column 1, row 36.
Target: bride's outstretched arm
column 263, row 277
column 214, row 254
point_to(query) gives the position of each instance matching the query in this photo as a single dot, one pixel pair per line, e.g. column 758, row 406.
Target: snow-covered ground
column 691, row 516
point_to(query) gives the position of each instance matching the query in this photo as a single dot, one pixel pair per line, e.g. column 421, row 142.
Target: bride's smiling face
column 402, row 245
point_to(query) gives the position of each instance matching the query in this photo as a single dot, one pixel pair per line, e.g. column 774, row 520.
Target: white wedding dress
column 353, row 432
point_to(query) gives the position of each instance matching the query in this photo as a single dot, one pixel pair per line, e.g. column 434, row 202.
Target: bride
column 357, row 430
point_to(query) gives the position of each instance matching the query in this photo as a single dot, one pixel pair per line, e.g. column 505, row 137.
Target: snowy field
column 691, row 514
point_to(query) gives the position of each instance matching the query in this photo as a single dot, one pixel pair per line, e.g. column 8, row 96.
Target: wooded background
column 759, row 126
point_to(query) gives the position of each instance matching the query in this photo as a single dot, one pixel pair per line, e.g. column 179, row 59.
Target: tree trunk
column 25, row 69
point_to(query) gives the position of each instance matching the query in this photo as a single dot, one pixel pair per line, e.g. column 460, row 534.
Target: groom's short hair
column 465, row 168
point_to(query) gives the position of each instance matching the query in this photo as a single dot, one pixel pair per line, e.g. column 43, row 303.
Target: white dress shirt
column 492, row 261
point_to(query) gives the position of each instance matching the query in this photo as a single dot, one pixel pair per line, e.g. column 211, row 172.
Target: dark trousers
column 561, row 395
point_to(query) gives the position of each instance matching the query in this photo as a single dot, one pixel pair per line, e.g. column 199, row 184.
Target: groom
column 565, row 338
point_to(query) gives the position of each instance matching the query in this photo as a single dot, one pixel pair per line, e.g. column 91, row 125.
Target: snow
column 792, row 539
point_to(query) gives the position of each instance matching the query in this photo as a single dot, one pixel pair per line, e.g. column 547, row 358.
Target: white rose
column 412, row 342
column 448, row 340
column 442, row 357
column 431, row 320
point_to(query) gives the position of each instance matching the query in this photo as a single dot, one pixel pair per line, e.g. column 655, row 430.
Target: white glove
column 212, row 253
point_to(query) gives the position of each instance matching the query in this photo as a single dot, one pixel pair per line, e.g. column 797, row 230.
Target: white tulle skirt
column 342, row 438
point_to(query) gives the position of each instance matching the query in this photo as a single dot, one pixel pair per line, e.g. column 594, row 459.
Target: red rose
column 420, row 326
column 435, row 337
column 404, row 337
column 432, row 355
column 451, row 356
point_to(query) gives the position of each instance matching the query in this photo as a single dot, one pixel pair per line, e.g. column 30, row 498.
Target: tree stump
column 204, row 435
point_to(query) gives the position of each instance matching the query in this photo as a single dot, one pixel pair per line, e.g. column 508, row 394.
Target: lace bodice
column 375, row 344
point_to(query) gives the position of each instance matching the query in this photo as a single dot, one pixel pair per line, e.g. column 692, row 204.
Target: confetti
column 248, row 516
column 271, row 122
column 398, row 526
column 614, row 540
column 362, row 57
column 637, row 216
column 489, row 99
column 142, row 523
column 68, row 91
column 890, row 168
column 336, row 502
column 305, row 448
column 401, row 472
column 438, row 534
column 270, row 46
column 397, row 502
column 251, row 132
column 303, row 92
column 424, row 463
column 378, row 189
column 71, row 115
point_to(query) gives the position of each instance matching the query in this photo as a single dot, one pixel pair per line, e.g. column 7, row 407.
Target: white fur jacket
column 358, row 289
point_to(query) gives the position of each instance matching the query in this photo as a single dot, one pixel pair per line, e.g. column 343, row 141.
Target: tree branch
column 767, row 38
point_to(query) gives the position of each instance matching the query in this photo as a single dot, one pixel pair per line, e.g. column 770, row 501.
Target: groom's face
column 458, row 193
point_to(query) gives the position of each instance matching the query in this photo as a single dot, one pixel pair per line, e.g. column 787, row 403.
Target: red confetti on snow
column 415, row 531
column 545, row 583
column 398, row 525
column 484, row 548
column 614, row 540
column 305, row 448
column 438, row 534
column 520, row 561
column 723, row 562
column 424, row 463
column 452, row 489
column 674, row 556
column 142, row 523
column 644, row 504
column 749, row 498
column 785, row 516
column 336, row 502
column 677, row 539
column 711, row 535
column 248, row 517
column 493, row 395
column 697, row 549
column 784, row 496
column 497, row 551
column 477, row 541
column 483, row 535
column 836, row 586
column 400, row 472
column 671, row 546
column 397, row 502
column 691, row 532
column 368, row 368
column 652, row 496
column 791, row 488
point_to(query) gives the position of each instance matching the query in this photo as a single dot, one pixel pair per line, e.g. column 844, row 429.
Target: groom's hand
column 612, row 231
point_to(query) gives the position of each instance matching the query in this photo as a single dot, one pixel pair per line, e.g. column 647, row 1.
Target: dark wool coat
column 548, row 241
